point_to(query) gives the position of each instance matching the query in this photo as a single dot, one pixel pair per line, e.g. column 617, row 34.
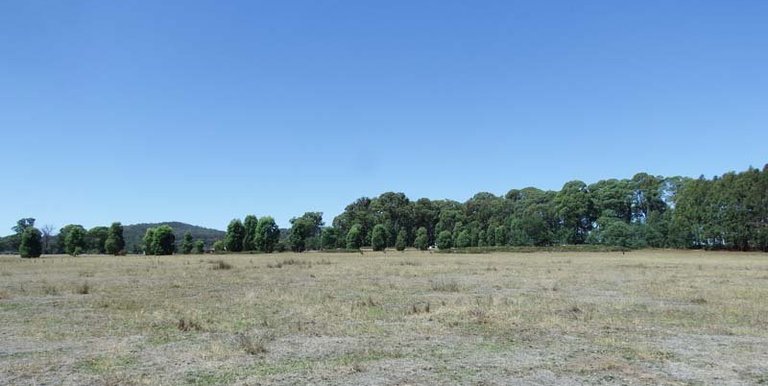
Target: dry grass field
column 648, row 317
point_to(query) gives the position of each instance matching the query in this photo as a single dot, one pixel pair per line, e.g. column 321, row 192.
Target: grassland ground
column 646, row 317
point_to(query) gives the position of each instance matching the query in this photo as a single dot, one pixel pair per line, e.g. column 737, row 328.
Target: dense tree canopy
column 730, row 212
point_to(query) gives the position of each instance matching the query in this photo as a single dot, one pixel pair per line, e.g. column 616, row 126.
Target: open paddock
column 646, row 317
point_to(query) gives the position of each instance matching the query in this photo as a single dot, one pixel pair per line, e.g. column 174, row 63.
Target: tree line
column 726, row 212
column 75, row 240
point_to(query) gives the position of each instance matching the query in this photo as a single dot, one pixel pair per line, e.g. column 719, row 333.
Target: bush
column 83, row 289
column 221, row 264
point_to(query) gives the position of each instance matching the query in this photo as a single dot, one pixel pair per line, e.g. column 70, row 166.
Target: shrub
column 446, row 286
column 188, row 325
column 83, row 289
column 251, row 345
column 221, row 264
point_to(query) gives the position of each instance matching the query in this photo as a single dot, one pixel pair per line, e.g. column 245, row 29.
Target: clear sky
column 203, row 111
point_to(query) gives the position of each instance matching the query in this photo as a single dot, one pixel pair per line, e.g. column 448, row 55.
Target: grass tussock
column 50, row 290
column 186, row 325
column 446, row 285
column 83, row 289
column 479, row 315
column 287, row 262
column 220, row 265
column 253, row 345
column 417, row 308
column 298, row 263
column 367, row 302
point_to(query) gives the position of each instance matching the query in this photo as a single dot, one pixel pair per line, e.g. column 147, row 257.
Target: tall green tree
column 159, row 241
column 249, row 238
column 304, row 227
column 165, row 240
column 395, row 212
column 517, row 234
column 402, row 240
column 463, row 240
column 501, row 236
column 330, row 238
column 31, row 242
column 379, row 238
column 647, row 196
column 422, row 239
column 23, row 224
column 235, row 236
column 354, row 237
column 74, row 239
column 96, row 238
column 198, row 247
column 357, row 213
column 444, row 240
column 576, row 211
column 267, row 235
column 150, row 242
column 187, row 243
column 617, row 196
column 426, row 215
column 219, row 246
column 115, row 243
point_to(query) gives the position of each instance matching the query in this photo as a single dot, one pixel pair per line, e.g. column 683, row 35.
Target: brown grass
column 646, row 317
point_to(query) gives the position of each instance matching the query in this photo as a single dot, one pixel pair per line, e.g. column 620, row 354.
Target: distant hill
column 133, row 234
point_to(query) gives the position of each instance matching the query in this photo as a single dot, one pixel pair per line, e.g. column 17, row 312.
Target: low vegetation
column 643, row 317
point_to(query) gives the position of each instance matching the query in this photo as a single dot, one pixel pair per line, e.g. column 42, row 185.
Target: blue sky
column 203, row 111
